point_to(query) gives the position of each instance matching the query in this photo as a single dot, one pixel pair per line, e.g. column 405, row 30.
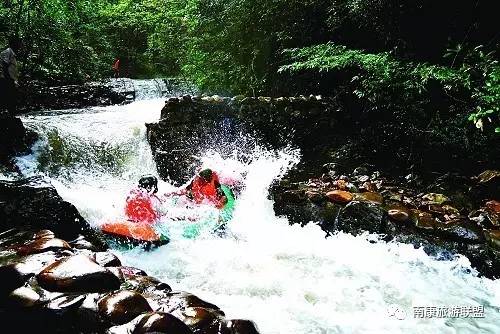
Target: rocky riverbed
column 64, row 280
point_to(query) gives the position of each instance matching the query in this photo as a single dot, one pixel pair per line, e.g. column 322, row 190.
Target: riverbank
column 37, row 95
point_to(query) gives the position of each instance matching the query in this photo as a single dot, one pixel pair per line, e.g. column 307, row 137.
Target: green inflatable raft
column 214, row 223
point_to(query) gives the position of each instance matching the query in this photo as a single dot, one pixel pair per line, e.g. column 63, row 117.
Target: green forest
column 386, row 53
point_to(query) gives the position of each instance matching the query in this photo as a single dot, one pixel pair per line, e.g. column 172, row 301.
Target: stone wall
column 190, row 125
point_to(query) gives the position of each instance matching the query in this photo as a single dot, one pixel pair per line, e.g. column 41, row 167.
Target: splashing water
column 288, row 279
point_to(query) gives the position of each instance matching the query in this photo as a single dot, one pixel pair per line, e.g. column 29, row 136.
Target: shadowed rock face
column 14, row 138
column 39, row 96
column 34, row 201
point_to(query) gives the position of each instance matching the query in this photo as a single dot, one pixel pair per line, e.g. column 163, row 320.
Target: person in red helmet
column 205, row 188
column 142, row 202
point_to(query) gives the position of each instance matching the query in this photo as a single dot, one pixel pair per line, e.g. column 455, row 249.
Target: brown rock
column 488, row 175
column 23, row 297
column 433, row 198
column 144, row 284
column 77, row 273
column 239, row 326
column 340, row 184
column 370, row 186
column 122, row 306
column 43, row 245
column 117, row 272
column 11, row 278
column 399, row 213
column 44, row 234
column 159, row 322
column 493, row 206
column 450, row 210
column 33, row 264
column 493, row 238
column 339, row 196
column 370, row 197
column 424, row 220
column 197, row 317
column 107, row 259
column 315, row 197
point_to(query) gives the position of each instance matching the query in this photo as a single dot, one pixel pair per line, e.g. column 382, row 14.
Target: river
column 288, row 279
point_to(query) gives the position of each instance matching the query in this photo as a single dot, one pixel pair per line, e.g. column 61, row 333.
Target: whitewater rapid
column 288, row 279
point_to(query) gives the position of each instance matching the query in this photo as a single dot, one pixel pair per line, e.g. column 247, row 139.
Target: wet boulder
column 339, row 196
column 107, row 259
column 34, row 263
column 154, row 322
column 123, row 306
column 370, row 197
column 35, row 201
column 182, row 300
column 14, row 138
column 241, row 326
column 43, row 245
column 23, row 297
column 358, row 217
column 82, row 243
column 198, row 318
column 44, row 234
column 493, row 237
column 399, row 213
column 161, row 323
column 10, row 279
column 77, row 273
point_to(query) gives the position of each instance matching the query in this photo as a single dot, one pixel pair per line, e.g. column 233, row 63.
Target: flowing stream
column 288, row 279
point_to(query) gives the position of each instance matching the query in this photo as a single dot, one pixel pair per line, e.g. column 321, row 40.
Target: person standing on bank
column 9, row 77
column 116, row 68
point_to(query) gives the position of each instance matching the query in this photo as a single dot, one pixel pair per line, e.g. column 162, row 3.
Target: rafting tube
column 130, row 234
column 214, row 223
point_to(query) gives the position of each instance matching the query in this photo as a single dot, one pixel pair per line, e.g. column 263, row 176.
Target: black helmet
column 149, row 182
column 206, row 174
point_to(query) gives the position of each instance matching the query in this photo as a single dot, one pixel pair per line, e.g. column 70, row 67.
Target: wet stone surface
column 77, row 273
column 76, row 290
column 122, row 306
column 463, row 220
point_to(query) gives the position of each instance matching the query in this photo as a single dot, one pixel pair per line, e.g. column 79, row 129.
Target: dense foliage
column 237, row 46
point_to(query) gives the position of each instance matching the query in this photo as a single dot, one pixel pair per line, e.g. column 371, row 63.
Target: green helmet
column 206, row 174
